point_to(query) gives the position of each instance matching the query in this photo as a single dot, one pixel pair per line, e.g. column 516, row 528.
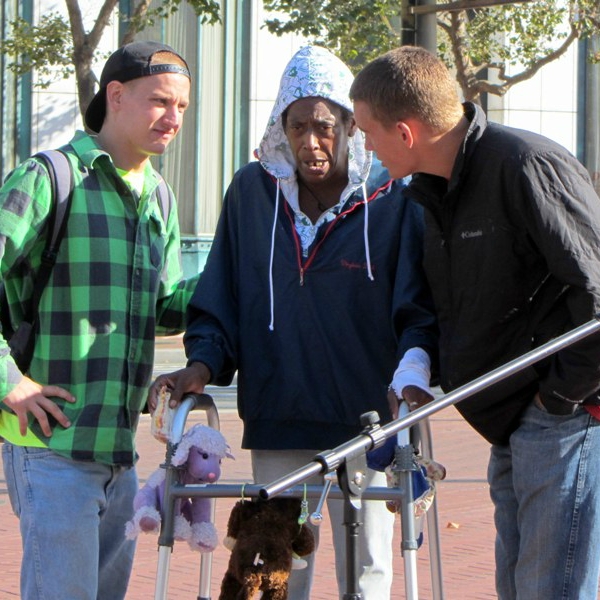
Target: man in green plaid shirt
column 69, row 423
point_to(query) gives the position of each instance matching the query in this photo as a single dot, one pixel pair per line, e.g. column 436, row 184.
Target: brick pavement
column 464, row 509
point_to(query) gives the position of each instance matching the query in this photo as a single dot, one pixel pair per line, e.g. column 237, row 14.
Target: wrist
column 201, row 372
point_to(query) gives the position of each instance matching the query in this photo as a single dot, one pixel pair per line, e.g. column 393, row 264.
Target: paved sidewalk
column 465, row 515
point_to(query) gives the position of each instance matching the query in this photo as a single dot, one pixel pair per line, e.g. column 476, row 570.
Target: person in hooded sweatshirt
column 313, row 292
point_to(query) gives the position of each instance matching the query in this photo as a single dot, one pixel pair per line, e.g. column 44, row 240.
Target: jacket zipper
column 302, row 268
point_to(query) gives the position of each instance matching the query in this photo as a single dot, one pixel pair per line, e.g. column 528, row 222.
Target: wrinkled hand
column 414, row 396
column 31, row 397
column 192, row 379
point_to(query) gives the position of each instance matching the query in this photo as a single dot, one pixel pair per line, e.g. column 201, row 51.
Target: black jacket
column 513, row 258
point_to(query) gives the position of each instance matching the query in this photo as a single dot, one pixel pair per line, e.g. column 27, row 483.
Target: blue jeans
column 545, row 486
column 374, row 536
column 72, row 518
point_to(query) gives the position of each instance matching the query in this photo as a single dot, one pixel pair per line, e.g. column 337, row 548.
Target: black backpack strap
column 7, row 330
column 57, row 164
column 165, row 198
column 61, row 180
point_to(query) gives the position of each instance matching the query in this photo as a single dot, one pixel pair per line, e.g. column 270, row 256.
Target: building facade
column 236, row 66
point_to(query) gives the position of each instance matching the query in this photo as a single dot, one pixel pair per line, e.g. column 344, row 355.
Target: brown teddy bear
column 264, row 536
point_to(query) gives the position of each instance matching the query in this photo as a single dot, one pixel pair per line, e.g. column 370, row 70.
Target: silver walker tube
column 433, row 529
column 365, row 442
column 165, row 541
column 495, row 376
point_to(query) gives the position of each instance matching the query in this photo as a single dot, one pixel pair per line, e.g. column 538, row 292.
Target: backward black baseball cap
column 131, row 61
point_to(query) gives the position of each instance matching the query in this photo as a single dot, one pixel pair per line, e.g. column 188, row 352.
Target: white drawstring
column 271, row 292
column 366, row 232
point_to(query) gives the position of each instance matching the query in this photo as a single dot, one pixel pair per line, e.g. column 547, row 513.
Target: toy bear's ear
column 233, row 524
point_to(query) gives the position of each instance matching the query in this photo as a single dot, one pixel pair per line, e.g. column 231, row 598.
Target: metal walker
column 346, row 460
column 174, row 490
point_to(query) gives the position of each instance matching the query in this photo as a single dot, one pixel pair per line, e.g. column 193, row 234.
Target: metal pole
column 426, row 26
column 462, row 5
column 404, row 465
column 433, row 529
column 495, row 376
column 368, row 441
column 166, row 538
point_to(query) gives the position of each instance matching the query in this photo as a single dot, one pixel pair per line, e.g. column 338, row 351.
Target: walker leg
column 162, row 573
column 433, row 529
column 165, row 542
column 350, row 476
column 409, row 535
column 206, row 566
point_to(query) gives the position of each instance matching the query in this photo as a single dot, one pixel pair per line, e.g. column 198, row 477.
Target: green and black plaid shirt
column 117, row 277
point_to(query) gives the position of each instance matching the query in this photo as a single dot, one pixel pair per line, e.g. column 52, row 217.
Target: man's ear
column 406, row 133
column 114, row 92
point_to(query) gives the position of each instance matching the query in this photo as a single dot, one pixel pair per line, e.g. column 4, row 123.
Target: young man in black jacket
column 513, row 258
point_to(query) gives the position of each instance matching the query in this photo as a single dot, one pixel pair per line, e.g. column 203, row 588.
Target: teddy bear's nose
column 210, row 477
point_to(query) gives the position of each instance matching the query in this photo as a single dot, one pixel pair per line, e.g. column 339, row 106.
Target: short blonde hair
column 409, row 82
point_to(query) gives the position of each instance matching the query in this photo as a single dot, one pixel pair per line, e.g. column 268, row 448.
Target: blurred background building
column 236, row 66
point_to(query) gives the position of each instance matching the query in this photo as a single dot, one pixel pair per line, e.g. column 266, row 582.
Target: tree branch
column 460, row 5
column 101, row 23
column 84, row 47
column 140, row 10
column 76, row 23
column 485, row 86
column 464, row 67
column 531, row 71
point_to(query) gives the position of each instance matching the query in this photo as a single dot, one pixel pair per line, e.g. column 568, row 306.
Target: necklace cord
column 320, row 204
